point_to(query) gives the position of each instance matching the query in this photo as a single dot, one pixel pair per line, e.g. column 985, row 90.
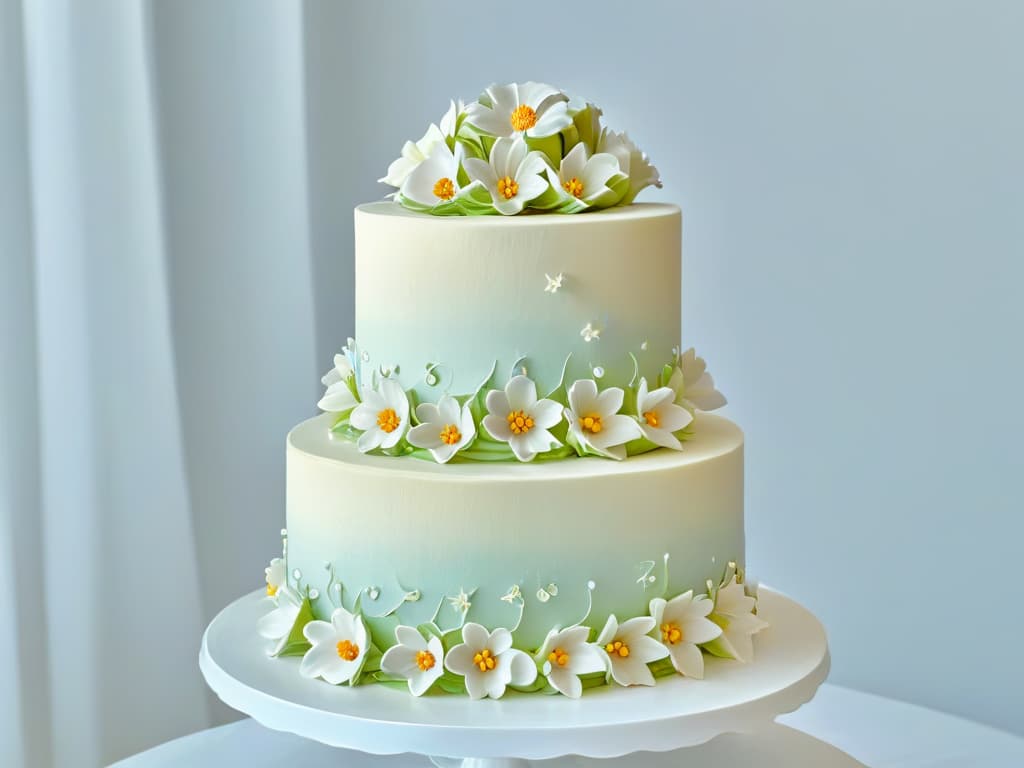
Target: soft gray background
column 176, row 187
column 852, row 184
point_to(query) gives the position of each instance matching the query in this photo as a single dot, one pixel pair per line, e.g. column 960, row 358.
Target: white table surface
column 878, row 732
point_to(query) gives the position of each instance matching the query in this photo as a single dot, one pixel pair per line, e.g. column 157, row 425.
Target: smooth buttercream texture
column 463, row 293
column 395, row 526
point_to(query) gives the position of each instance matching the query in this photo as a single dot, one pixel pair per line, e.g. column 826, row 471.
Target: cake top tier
column 519, row 147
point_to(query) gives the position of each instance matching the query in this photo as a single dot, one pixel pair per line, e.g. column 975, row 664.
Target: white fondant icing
column 405, row 308
column 383, row 520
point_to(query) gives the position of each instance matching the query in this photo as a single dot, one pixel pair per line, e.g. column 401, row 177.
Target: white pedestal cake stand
column 792, row 661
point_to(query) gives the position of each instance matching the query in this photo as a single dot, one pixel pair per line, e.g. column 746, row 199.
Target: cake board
column 609, row 722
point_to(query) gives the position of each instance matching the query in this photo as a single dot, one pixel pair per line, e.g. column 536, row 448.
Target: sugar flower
column 554, row 283
column 436, row 179
column 515, row 416
column 383, row 415
column 338, row 648
column 595, row 422
column 629, row 649
column 488, row 662
column 682, row 625
column 277, row 575
column 277, row 625
column 413, row 153
column 444, row 429
column 634, row 163
column 565, row 656
column 582, row 180
column 339, row 396
column 694, row 387
column 734, row 613
column 512, row 175
column 533, row 109
column 418, row 660
column 659, row 415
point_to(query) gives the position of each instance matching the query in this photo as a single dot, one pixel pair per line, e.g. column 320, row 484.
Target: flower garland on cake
column 519, row 147
column 511, row 421
column 352, row 647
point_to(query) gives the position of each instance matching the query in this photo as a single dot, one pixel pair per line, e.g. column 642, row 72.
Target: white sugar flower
column 595, row 422
column 583, row 181
column 629, row 649
column 694, row 387
column 277, row 576
column 339, row 396
column 533, row 109
column 338, row 648
column 634, row 163
column 277, row 625
column 512, row 175
column 418, row 660
column 590, row 333
column 734, row 613
column 444, row 429
column 436, row 179
column 515, row 416
column 488, row 662
column 383, row 415
column 683, row 626
column 566, row 655
column 659, row 415
column 413, row 153
column 554, row 283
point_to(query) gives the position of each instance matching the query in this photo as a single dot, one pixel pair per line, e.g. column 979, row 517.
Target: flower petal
column 522, row 670
column 565, row 682
column 410, row 637
column 546, row 413
column 521, row 393
column 400, row 661
column 460, row 659
column 688, row 660
column 369, row 440
column 497, row 427
column 475, row 635
column 364, row 416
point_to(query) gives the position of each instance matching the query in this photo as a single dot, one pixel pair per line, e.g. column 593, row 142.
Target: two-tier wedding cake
column 515, row 483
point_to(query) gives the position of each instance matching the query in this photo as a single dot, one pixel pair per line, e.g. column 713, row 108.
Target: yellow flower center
column 574, row 187
column 271, row 590
column 450, row 435
column 388, row 420
column 348, row 650
column 559, row 657
column 617, row 648
column 523, row 118
column 444, row 188
column 651, row 417
column 591, row 424
column 485, row 661
column 425, row 660
column 507, row 187
column 519, row 422
column 671, row 633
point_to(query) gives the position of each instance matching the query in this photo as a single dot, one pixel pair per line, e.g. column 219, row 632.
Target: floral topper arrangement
column 522, row 146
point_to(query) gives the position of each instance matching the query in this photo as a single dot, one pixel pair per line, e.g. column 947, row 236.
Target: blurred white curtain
column 157, row 341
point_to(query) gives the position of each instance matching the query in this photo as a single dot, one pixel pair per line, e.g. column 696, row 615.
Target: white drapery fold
column 158, row 341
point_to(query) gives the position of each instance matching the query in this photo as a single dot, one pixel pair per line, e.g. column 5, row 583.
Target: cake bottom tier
column 527, row 547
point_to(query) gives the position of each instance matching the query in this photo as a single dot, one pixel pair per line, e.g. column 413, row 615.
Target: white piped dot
column 373, row 592
column 543, row 596
column 598, row 372
column 314, row 594
column 591, row 586
column 430, row 379
column 297, row 574
column 284, row 531
column 366, row 357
